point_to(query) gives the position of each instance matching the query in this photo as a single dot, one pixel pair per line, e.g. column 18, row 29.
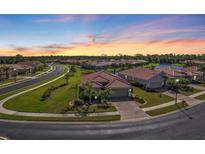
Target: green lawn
column 201, row 97
column 70, row 119
column 151, row 98
column 111, row 69
column 6, row 82
column 166, row 109
column 179, row 64
column 10, row 81
column 188, row 93
column 150, row 65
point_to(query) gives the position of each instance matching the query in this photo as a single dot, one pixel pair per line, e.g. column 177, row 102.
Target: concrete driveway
column 129, row 110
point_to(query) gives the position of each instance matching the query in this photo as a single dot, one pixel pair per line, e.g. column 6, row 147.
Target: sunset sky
column 36, row 35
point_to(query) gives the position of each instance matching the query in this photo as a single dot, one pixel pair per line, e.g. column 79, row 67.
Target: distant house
column 101, row 80
column 104, row 63
column 172, row 73
column 193, row 73
column 35, row 64
column 98, row 64
column 149, row 79
column 19, row 69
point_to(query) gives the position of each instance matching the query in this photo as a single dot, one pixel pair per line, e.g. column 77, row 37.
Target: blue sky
column 104, row 34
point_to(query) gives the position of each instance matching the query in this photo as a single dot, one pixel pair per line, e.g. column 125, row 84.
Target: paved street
column 129, row 110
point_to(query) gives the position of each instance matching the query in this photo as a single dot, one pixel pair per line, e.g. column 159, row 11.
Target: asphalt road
column 19, row 85
column 173, row 126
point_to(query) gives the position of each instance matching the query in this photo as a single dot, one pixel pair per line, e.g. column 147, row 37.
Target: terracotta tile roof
column 141, row 73
column 105, row 79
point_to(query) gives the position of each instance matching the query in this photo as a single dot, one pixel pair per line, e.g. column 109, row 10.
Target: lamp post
column 176, row 90
column 15, row 75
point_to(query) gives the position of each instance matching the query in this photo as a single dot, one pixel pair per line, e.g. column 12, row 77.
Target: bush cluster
column 79, row 102
column 139, row 99
column 186, row 88
column 47, row 93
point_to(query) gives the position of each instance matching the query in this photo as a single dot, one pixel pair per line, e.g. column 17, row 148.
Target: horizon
column 94, row 35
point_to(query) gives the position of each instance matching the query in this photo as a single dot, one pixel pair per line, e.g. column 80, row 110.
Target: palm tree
column 1, row 74
column 67, row 77
column 89, row 91
column 103, row 95
column 6, row 70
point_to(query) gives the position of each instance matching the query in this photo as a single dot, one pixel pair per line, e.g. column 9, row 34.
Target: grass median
column 201, row 97
column 63, row 119
column 167, row 109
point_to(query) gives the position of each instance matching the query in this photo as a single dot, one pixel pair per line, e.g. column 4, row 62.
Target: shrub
column 139, row 99
column 79, row 102
column 46, row 94
column 106, row 105
column 186, row 88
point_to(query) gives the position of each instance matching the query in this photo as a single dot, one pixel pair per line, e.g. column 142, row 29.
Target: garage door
column 119, row 93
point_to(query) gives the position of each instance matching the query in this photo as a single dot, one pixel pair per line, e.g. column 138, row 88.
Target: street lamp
column 15, row 74
column 176, row 90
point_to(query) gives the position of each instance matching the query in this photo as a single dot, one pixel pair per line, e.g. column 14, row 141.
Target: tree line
column 155, row 58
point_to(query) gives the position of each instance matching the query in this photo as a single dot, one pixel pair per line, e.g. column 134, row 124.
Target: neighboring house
column 73, row 61
column 193, row 73
column 37, row 65
column 149, row 79
column 172, row 73
column 19, row 69
column 101, row 80
column 104, row 63
column 96, row 64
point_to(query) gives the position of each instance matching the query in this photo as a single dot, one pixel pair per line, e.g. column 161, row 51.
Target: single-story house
column 19, row 69
column 149, row 79
column 100, row 80
column 96, row 64
column 35, row 64
column 193, row 73
column 171, row 73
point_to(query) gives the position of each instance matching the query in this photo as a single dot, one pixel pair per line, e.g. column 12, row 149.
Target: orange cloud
column 179, row 46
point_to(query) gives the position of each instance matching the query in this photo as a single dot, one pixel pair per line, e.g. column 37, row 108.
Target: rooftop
column 105, row 79
column 141, row 73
